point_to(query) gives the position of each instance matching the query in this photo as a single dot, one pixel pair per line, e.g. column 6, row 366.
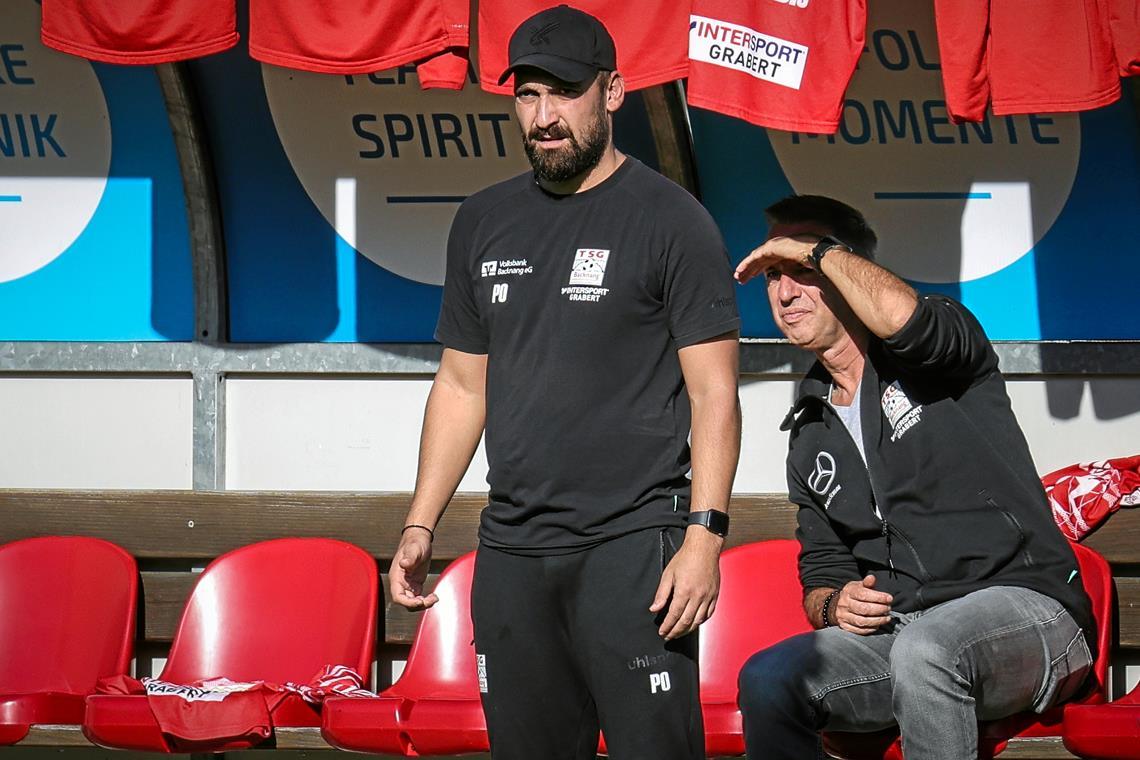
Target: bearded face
column 582, row 150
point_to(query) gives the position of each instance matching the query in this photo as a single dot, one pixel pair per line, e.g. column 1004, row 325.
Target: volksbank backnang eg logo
column 55, row 145
column 505, row 268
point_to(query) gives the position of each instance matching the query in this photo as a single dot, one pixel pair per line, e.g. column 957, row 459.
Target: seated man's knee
column 773, row 676
column 920, row 655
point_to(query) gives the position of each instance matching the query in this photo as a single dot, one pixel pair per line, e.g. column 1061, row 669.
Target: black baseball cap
column 563, row 41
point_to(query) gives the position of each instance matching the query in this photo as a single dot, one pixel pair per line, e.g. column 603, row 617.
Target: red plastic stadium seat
column 434, row 707
column 760, row 604
column 68, row 619
column 1104, row 732
column 274, row 611
column 993, row 736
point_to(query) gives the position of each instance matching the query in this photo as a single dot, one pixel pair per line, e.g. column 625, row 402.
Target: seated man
column 941, row 589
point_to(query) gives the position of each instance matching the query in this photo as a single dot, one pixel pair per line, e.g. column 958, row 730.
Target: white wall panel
column 363, row 434
column 763, row 446
column 328, row 434
column 1071, row 420
column 83, row 432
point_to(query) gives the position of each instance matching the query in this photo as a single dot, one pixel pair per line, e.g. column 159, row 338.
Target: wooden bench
column 172, row 534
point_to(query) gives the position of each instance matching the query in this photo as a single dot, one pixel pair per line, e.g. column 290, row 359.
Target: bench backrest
column 174, row 534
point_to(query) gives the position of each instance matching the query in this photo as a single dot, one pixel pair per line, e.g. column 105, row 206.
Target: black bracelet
column 827, row 600
column 414, row 525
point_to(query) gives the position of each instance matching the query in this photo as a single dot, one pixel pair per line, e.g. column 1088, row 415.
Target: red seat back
column 760, row 604
column 1096, row 575
column 441, row 664
column 278, row 611
column 67, row 613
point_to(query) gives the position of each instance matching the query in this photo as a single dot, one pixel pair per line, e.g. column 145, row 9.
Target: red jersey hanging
column 448, row 70
column 649, row 37
column 1029, row 56
column 353, row 36
column 139, row 31
column 1124, row 24
column 776, row 63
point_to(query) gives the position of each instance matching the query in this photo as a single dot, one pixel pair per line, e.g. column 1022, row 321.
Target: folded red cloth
column 333, row 681
column 194, row 717
column 1082, row 496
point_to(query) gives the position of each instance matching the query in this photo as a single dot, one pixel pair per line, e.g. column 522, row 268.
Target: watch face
column 715, row 520
column 718, row 522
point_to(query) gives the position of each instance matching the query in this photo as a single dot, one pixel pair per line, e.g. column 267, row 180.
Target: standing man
column 588, row 321
column 941, row 589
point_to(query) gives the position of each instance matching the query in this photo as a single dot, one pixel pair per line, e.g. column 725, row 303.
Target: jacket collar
column 816, row 385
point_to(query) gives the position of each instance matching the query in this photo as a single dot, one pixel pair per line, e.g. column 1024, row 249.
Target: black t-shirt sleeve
column 460, row 325
column 699, row 292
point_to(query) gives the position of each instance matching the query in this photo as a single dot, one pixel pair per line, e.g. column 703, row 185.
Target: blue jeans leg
column 990, row 654
column 831, row 678
column 934, row 673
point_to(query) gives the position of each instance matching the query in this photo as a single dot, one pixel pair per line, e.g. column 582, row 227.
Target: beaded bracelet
column 825, row 613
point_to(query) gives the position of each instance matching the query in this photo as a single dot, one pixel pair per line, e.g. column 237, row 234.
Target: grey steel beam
column 757, row 356
column 208, row 264
column 203, row 219
column 209, row 419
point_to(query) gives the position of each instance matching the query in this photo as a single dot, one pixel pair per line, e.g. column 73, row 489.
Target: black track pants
column 567, row 642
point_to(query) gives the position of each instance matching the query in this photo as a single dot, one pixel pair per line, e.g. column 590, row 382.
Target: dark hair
column 838, row 218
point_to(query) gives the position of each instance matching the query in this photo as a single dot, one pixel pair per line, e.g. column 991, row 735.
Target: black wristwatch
column 713, row 519
column 825, row 244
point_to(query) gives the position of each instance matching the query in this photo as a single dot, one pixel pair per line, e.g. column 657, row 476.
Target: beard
column 573, row 159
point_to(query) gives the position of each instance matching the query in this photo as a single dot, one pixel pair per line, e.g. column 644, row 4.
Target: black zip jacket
column 959, row 503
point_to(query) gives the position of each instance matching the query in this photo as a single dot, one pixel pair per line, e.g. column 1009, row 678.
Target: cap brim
column 574, row 72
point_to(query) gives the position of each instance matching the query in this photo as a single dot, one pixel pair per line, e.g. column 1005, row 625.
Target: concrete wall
column 362, row 434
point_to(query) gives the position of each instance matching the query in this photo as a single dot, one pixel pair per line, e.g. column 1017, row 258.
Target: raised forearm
column 878, row 298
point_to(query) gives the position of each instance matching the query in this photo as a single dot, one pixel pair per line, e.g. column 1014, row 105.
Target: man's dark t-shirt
column 581, row 303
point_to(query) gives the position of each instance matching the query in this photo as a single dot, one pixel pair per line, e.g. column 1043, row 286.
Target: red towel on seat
column 204, row 715
column 1082, row 496
column 333, row 681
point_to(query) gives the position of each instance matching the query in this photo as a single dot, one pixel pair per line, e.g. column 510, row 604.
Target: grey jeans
column 933, row 673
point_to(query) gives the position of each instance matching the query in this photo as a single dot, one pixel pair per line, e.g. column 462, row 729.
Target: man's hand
column 775, row 251
column 409, row 570
column 692, row 579
column 860, row 609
